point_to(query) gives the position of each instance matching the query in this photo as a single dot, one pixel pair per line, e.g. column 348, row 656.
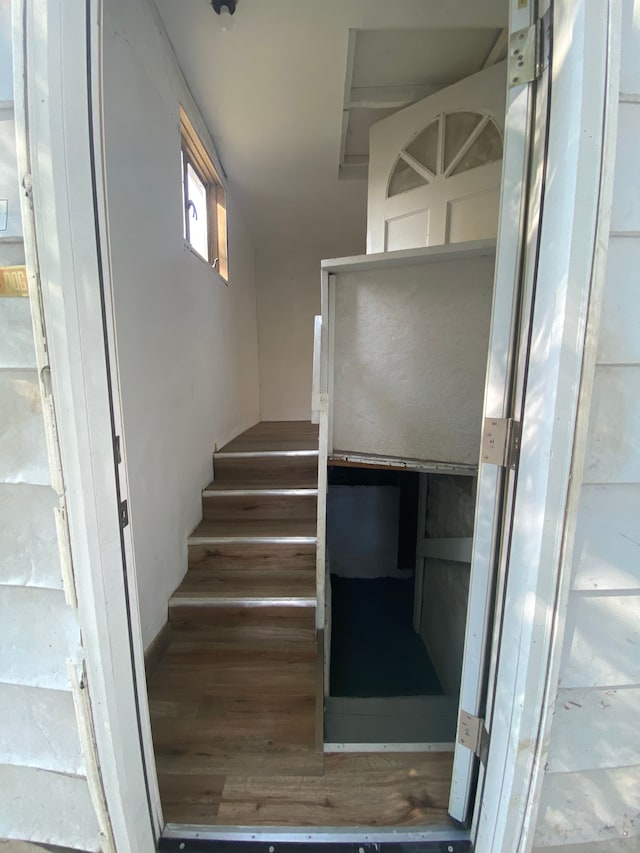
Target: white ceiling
column 272, row 89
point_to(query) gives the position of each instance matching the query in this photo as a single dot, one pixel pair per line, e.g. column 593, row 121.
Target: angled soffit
column 388, row 70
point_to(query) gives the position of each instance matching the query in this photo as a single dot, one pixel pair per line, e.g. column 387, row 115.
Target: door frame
column 582, row 105
column 69, row 208
column 67, row 256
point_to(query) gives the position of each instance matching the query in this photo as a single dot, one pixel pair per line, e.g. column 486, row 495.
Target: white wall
column 187, row 343
column 288, row 283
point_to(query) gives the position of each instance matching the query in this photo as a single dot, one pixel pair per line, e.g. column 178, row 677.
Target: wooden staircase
column 239, row 690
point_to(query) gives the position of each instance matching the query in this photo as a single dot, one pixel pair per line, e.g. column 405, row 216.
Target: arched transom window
column 451, row 144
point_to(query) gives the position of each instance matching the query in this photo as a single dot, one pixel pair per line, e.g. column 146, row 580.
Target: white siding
column 45, row 795
column 590, row 800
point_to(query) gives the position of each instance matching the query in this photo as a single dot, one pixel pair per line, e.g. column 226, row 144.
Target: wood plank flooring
column 236, row 701
column 367, row 790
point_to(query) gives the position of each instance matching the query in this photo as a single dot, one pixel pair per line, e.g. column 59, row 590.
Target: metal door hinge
column 501, row 442
column 117, row 450
column 528, row 52
column 473, row 734
column 124, row 514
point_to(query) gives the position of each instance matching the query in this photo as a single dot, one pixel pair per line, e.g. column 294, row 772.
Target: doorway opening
column 398, row 567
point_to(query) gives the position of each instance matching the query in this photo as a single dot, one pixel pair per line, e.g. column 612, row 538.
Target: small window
column 204, row 201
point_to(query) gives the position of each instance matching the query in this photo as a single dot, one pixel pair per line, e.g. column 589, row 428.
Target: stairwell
column 239, row 690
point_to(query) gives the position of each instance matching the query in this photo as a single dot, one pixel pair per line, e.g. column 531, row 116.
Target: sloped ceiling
column 390, row 69
column 272, row 92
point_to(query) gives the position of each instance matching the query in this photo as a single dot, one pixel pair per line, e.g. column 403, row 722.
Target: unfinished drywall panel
column 410, row 359
column 187, row 342
column 444, row 618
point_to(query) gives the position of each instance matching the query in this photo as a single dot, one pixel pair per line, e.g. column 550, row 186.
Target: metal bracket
column 473, row 734
column 501, row 442
column 124, row 514
column 524, row 60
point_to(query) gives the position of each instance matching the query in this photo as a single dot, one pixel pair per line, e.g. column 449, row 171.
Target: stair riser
column 280, row 556
column 260, row 627
column 232, row 508
column 268, row 471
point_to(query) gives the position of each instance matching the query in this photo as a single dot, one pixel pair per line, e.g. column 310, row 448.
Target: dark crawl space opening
column 371, row 540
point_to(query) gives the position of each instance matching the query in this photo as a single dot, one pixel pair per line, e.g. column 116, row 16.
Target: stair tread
column 246, row 583
column 275, row 435
column 236, row 707
column 250, row 485
column 255, row 527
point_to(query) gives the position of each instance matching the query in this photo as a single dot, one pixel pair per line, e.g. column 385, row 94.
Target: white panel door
column 435, row 167
column 513, row 300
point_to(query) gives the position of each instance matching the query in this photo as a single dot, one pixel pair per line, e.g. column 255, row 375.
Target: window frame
column 195, row 154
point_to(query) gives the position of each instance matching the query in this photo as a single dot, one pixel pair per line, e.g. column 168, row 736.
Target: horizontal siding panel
column 595, row 729
column 625, row 213
column 606, row 552
column 9, row 172
column 11, row 254
column 630, row 61
column 595, row 806
column 17, row 349
column 619, row 335
column 39, row 634
column 601, row 641
column 28, row 541
column 48, row 808
column 613, row 443
column 23, row 450
column 619, row 845
column 39, row 729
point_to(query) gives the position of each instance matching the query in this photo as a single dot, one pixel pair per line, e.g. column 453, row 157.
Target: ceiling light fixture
column 224, row 6
column 225, row 9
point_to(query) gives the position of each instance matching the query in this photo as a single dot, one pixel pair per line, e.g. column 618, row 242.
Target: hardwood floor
column 275, row 435
column 236, row 701
column 367, row 790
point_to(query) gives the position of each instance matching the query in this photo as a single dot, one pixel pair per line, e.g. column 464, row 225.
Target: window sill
column 189, row 248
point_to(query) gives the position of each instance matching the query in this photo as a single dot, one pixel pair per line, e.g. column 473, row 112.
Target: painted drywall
column 40, row 756
column 272, row 89
column 590, row 793
column 409, row 359
column 288, row 287
column 187, row 342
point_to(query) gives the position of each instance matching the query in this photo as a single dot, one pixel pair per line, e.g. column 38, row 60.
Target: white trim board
column 412, row 257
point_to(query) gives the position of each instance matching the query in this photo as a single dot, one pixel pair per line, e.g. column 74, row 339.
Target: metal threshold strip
column 237, row 601
column 252, row 540
column 264, row 454
column 259, row 493
column 437, row 839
